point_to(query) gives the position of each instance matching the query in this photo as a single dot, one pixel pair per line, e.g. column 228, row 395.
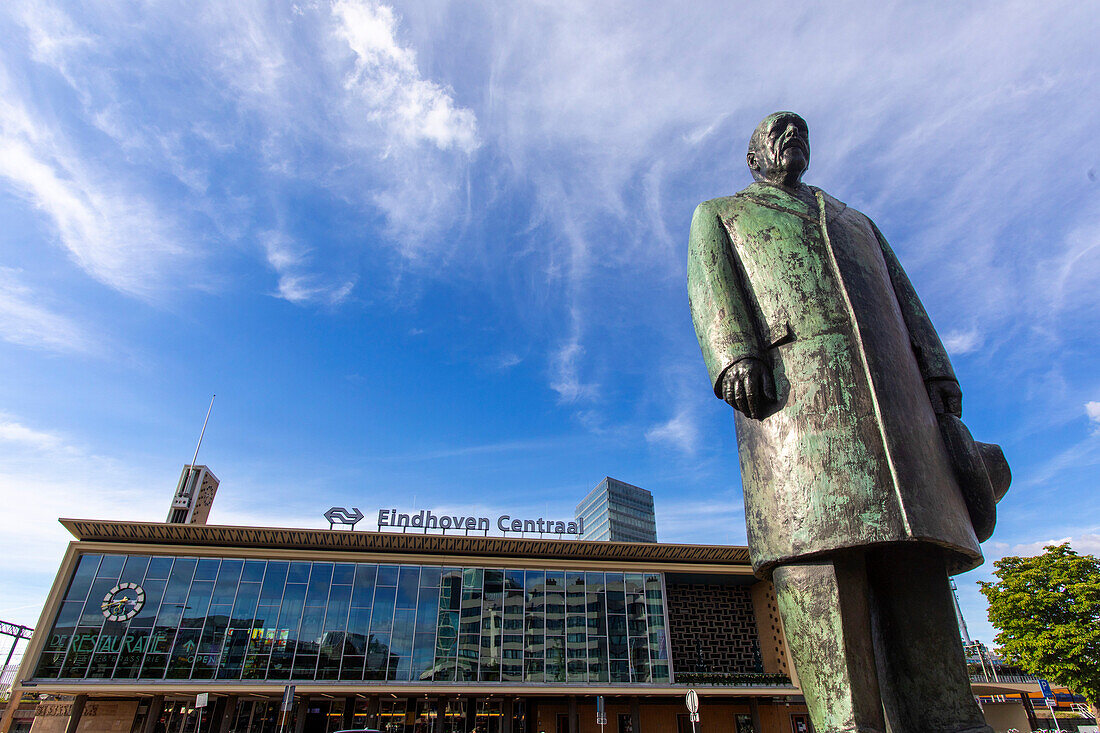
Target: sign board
column 1045, row 687
column 694, row 717
column 288, row 698
column 691, row 699
column 601, row 714
column 601, row 719
column 425, row 520
column 340, row 515
column 202, row 699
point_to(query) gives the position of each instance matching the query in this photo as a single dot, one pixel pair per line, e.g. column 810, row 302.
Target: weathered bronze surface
column 855, row 465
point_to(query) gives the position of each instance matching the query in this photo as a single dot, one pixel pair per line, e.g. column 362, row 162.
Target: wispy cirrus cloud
column 1092, row 410
column 13, row 431
column 386, row 79
column 110, row 230
column 681, row 432
column 25, row 321
column 323, row 95
column 296, row 283
column 959, row 342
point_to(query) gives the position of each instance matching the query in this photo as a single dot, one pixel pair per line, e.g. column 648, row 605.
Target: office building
column 618, row 512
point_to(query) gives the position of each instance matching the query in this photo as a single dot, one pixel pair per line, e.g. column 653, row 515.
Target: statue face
column 780, row 149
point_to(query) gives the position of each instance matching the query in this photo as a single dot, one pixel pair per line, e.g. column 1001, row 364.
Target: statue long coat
column 851, row 454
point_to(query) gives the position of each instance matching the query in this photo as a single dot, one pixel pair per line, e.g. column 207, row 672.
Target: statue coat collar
column 776, row 197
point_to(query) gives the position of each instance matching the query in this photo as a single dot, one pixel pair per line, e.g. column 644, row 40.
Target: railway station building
column 403, row 633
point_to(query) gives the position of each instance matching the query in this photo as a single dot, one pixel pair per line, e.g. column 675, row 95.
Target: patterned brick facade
column 713, row 626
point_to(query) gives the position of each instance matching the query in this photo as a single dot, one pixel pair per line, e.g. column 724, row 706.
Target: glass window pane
column 83, row 577
column 271, row 591
column 319, row 580
column 93, row 607
column 430, row 577
column 378, row 654
column 159, row 568
column 343, row 573
column 183, row 654
column 225, row 588
column 472, row 578
column 207, row 569
column 408, row 582
column 423, row 656
column 253, row 571
column 180, row 580
column 387, row 575
column 358, row 628
column 402, row 637
column 111, row 567
column 339, row 600
column 198, row 601
column 363, row 592
column 382, row 616
column 427, row 610
column 134, row 571
column 299, row 572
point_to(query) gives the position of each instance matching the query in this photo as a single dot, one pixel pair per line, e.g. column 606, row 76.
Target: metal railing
column 1024, row 679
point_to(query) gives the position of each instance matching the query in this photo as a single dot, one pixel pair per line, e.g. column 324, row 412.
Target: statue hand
column 748, row 387
column 946, row 397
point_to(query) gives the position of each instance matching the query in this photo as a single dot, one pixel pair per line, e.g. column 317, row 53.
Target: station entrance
column 329, row 714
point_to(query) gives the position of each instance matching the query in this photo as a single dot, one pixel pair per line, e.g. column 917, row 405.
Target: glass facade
column 619, row 512
column 234, row 619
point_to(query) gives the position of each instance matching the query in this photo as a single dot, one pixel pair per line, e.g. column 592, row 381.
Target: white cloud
column 565, row 374
column 325, row 95
column 12, row 431
column 621, row 120
column 1086, row 543
column 46, row 475
column 960, row 342
column 506, row 361
column 25, row 321
column 290, row 261
column 389, row 83
column 1092, row 409
column 115, row 234
column 680, row 432
column 720, row 520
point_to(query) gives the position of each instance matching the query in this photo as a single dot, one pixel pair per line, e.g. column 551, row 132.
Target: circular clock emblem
column 123, row 602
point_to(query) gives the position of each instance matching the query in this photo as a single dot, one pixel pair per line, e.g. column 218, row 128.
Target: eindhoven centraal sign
column 425, row 519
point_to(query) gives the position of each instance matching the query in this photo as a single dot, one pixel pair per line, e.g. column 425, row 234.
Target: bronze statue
column 863, row 488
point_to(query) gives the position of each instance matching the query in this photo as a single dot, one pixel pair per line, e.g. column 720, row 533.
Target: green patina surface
column 842, row 459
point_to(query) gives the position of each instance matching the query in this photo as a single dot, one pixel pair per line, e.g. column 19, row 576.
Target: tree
column 1047, row 609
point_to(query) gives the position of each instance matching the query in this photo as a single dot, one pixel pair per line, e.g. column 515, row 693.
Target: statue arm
column 931, row 355
column 719, row 308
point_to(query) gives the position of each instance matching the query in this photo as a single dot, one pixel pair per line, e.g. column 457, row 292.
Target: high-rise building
column 618, row 512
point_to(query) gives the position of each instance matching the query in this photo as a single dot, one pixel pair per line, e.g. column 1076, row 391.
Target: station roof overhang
column 699, row 559
column 325, row 689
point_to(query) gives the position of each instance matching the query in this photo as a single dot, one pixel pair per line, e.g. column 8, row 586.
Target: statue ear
column 750, row 159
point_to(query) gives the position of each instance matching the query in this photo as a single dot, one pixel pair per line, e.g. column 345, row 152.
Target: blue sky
column 432, row 255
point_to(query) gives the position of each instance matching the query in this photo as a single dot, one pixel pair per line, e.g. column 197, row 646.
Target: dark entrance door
column 317, row 717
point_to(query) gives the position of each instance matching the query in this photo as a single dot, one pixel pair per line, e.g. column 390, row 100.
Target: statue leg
column 826, row 615
column 921, row 667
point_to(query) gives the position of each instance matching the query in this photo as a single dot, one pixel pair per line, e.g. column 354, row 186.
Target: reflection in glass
column 279, row 620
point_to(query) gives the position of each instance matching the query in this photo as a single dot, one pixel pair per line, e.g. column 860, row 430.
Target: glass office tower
column 616, row 511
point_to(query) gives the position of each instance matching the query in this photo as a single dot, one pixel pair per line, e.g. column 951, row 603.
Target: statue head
column 779, row 149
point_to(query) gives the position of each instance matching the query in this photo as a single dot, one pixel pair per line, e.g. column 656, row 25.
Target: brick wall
column 715, row 622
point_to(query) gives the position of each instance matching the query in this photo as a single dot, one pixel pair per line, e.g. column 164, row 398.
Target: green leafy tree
column 1047, row 609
